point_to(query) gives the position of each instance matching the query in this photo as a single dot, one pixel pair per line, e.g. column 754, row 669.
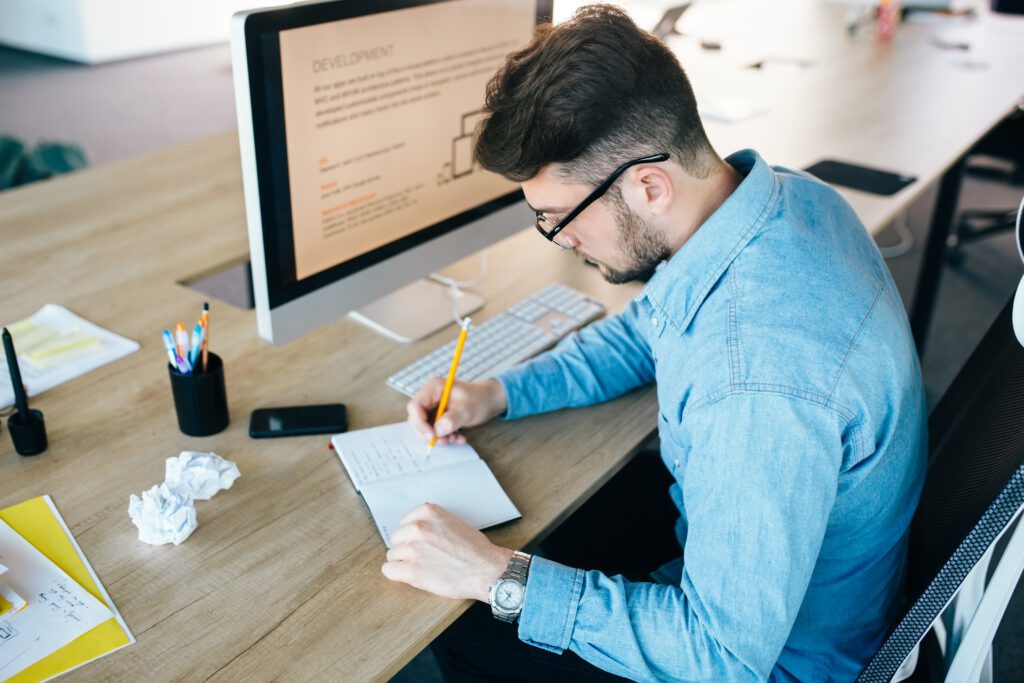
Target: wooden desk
column 906, row 105
column 281, row 580
column 282, row 577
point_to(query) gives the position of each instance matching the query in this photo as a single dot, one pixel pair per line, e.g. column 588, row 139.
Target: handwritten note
column 58, row 609
column 395, row 450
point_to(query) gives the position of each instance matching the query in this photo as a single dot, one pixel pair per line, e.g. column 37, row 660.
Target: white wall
column 94, row 31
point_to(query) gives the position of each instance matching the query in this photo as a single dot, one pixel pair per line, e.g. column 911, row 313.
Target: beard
column 643, row 247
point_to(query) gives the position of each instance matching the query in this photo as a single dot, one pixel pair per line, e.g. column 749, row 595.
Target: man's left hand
column 433, row 551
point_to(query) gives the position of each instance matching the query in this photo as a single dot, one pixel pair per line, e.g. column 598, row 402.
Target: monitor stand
column 229, row 282
column 416, row 311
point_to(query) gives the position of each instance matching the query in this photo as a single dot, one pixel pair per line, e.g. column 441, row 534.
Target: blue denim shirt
column 793, row 419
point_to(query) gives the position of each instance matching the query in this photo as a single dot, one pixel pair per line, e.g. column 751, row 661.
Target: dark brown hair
column 589, row 94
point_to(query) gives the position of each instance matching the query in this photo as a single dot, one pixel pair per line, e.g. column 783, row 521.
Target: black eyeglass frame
column 594, row 196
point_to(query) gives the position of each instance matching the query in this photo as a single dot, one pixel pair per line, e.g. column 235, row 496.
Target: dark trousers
column 626, row 528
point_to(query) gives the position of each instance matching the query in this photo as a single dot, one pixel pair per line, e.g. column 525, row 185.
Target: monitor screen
column 379, row 115
column 365, row 144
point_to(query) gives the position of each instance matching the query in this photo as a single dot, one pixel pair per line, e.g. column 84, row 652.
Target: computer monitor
column 355, row 125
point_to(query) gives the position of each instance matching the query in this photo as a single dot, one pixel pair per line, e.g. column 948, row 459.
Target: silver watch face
column 508, row 594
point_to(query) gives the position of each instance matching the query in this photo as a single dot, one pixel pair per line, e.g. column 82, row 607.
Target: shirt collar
column 680, row 285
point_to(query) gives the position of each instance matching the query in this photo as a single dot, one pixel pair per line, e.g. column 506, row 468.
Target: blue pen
column 197, row 340
column 172, row 353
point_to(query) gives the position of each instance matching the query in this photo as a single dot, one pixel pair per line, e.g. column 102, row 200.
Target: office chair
column 1006, row 141
column 966, row 553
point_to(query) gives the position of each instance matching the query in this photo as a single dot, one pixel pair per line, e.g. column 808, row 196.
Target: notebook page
column 469, row 491
column 58, row 610
column 393, row 450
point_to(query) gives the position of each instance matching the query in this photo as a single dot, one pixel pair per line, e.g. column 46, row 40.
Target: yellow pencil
column 451, row 379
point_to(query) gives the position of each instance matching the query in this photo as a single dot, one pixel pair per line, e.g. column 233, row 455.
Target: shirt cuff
column 515, row 383
column 549, row 607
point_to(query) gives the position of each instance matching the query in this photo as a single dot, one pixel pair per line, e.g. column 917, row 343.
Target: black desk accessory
column 201, row 399
column 28, row 431
column 1008, row 6
column 857, row 177
column 268, row 423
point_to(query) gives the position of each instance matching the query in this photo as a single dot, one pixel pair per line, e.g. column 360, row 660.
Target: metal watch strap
column 518, row 569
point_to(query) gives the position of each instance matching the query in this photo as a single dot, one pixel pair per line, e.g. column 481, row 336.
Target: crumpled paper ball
column 200, row 475
column 163, row 515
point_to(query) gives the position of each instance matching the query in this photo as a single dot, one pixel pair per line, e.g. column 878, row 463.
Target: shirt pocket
column 672, row 453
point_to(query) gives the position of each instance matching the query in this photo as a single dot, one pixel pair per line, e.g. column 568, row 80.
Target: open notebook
column 389, row 467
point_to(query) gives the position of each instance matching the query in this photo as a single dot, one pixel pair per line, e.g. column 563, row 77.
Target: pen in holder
column 200, row 399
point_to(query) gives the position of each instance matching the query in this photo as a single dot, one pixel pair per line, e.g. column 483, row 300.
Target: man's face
column 622, row 245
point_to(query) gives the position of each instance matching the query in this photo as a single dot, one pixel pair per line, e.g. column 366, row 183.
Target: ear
column 650, row 190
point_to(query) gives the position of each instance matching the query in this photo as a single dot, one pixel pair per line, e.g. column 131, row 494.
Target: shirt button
column 654, row 321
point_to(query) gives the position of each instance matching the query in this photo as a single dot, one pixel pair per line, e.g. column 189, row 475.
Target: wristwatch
column 507, row 593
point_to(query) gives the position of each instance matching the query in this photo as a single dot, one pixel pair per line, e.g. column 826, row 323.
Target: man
column 792, row 416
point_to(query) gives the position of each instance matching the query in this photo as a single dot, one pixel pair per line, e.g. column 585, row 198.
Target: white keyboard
column 509, row 338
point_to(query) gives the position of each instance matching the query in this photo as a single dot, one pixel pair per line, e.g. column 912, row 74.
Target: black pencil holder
column 200, row 399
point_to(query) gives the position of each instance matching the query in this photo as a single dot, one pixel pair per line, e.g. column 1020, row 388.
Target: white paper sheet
column 393, row 450
column 468, row 490
column 96, row 581
column 58, row 611
column 200, row 475
column 54, row 345
column 12, row 601
column 163, row 515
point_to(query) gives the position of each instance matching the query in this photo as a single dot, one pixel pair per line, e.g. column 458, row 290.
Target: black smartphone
column 863, row 178
column 267, row 423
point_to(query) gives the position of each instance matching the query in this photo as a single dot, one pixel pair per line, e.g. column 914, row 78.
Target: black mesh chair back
column 973, row 489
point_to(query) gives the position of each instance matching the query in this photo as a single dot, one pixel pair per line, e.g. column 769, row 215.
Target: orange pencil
column 451, row 379
column 204, row 320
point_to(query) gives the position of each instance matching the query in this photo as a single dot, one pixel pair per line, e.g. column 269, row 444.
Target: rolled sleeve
column 601, row 362
column 517, row 383
column 549, row 608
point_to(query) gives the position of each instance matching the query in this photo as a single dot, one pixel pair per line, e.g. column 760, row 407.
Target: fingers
column 398, row 571
column 422, row 404
column 454, row 418
column 406, row 544
column 409, row 532
column 433, row 551
column 425, row 401
column 403, row 552
column 418, row 420
column 419, row 513
column 459, row 412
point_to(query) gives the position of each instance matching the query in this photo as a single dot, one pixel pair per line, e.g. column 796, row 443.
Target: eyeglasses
column 549, row 231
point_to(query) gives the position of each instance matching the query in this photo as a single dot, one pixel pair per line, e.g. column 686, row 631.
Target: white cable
column 902, row 227
column 455, row 286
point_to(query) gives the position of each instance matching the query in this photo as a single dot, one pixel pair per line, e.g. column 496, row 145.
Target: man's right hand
column 470, row 404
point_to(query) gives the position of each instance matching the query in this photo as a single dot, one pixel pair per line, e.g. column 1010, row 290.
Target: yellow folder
column 39, row 523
